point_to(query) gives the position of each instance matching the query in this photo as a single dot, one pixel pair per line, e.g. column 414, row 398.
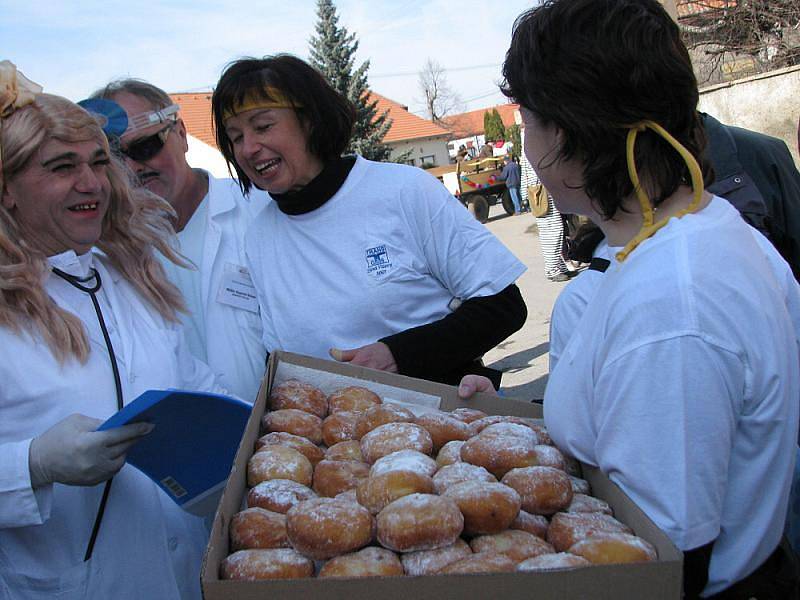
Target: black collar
column 318, row 191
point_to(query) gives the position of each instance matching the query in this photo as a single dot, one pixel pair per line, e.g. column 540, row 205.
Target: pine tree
column 493, row 128
column 333, row 52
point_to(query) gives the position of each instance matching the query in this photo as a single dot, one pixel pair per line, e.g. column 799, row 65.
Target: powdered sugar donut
column 369, row 562
column 479, row 425
column 549, row 456
column 376, row 416
column 258, row 528
column 485, row 562
column 353, row 398
column 304, row 446
column 579, row 486
column 458, row 472
column 566, row 529
column 517, row 545
column 427, row 562
column 298, row 395
column 281, row 563
column 535, row 524
column 339, row 427
column 292, row 420
column 375, row 493
column 614, row 548
column 325, row 527
column 500, row 448
column 404, row 460
column 349, row 450
column 581, row 503
column 348, row 495
column 443, row 428
column 468, row 415
column 279, row 495
column 419, row 522
column 332, row 477
column 553, row 562
column 449, row 454
column 544, row 490
column 392, row 437
column 487, row 507
column 278, row 462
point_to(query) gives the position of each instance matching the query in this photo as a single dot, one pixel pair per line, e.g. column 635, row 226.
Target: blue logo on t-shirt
column 378, row 263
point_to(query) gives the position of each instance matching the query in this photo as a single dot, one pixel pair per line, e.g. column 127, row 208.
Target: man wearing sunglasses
column 223, row 326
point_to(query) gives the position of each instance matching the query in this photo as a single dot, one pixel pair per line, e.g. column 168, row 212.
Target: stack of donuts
column 348, row 486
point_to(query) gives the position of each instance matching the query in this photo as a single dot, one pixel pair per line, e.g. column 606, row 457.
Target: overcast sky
column 73, row 47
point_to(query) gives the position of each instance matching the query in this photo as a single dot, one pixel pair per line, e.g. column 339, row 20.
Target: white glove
column 72, row 452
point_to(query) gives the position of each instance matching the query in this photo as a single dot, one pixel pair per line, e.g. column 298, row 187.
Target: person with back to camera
column 88, row 322
column 681, row 380
column 510, row 175
column 222, row 324
column 371, row 262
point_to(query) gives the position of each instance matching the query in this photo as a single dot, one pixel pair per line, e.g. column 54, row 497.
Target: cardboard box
column 659, row 580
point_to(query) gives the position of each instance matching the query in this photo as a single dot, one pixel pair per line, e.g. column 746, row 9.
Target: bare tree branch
column 743, row 35
column 440, row 99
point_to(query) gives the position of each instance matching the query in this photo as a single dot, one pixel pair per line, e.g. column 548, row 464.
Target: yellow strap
column 648, row 227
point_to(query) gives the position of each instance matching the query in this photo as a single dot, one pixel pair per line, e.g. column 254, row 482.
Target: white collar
column 71, row 263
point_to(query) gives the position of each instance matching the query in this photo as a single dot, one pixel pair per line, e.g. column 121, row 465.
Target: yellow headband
column 648, row 227
column 252, row 101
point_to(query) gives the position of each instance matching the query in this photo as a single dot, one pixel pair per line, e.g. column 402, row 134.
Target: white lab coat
column 233, row 347
column 147, row 546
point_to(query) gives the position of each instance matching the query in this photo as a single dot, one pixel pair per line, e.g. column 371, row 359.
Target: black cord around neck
column 78, row 283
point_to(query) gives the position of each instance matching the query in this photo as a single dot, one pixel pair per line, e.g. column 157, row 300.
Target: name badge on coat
column 237, row 289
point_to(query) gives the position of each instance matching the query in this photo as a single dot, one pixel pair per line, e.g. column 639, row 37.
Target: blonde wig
column 136, row 224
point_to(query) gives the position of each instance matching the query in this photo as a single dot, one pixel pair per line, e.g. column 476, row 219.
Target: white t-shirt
column 388, row 252
column 681, row 383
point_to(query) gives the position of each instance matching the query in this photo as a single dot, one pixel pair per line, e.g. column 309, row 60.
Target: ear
column 180, row 129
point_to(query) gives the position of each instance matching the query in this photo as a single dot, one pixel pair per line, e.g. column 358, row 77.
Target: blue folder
column 190, row 452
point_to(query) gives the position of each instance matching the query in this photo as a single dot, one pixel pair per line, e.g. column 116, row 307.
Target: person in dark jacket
column 756, row 173
column 511, row 176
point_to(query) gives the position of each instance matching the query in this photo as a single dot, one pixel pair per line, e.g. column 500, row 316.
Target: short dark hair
column 157, row 97
column 593, row 68
column 328, row 115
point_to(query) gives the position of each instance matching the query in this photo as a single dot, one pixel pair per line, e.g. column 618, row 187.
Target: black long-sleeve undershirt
column 449, row 348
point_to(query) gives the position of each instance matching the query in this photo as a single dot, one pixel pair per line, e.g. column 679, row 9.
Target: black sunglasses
column 146, row 148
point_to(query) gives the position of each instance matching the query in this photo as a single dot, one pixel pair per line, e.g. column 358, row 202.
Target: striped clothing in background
column 551, row 226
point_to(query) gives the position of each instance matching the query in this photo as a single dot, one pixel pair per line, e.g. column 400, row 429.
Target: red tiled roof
column 690, row 8
column 471, row 123
column 196, row 114
column 406, row 126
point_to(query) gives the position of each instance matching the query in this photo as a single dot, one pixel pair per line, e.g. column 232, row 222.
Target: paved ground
column 524, row 356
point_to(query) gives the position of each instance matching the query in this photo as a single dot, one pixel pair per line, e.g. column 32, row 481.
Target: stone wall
column 769, row 103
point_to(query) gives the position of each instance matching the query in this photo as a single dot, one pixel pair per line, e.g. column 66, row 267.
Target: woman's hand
column 73, row 452
column 374, row 356
column 472, row 384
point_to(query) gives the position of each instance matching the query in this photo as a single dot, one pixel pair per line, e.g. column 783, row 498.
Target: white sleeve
column 20, row 504
column 665, row 416
column 460, row 252
column 568, row 310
